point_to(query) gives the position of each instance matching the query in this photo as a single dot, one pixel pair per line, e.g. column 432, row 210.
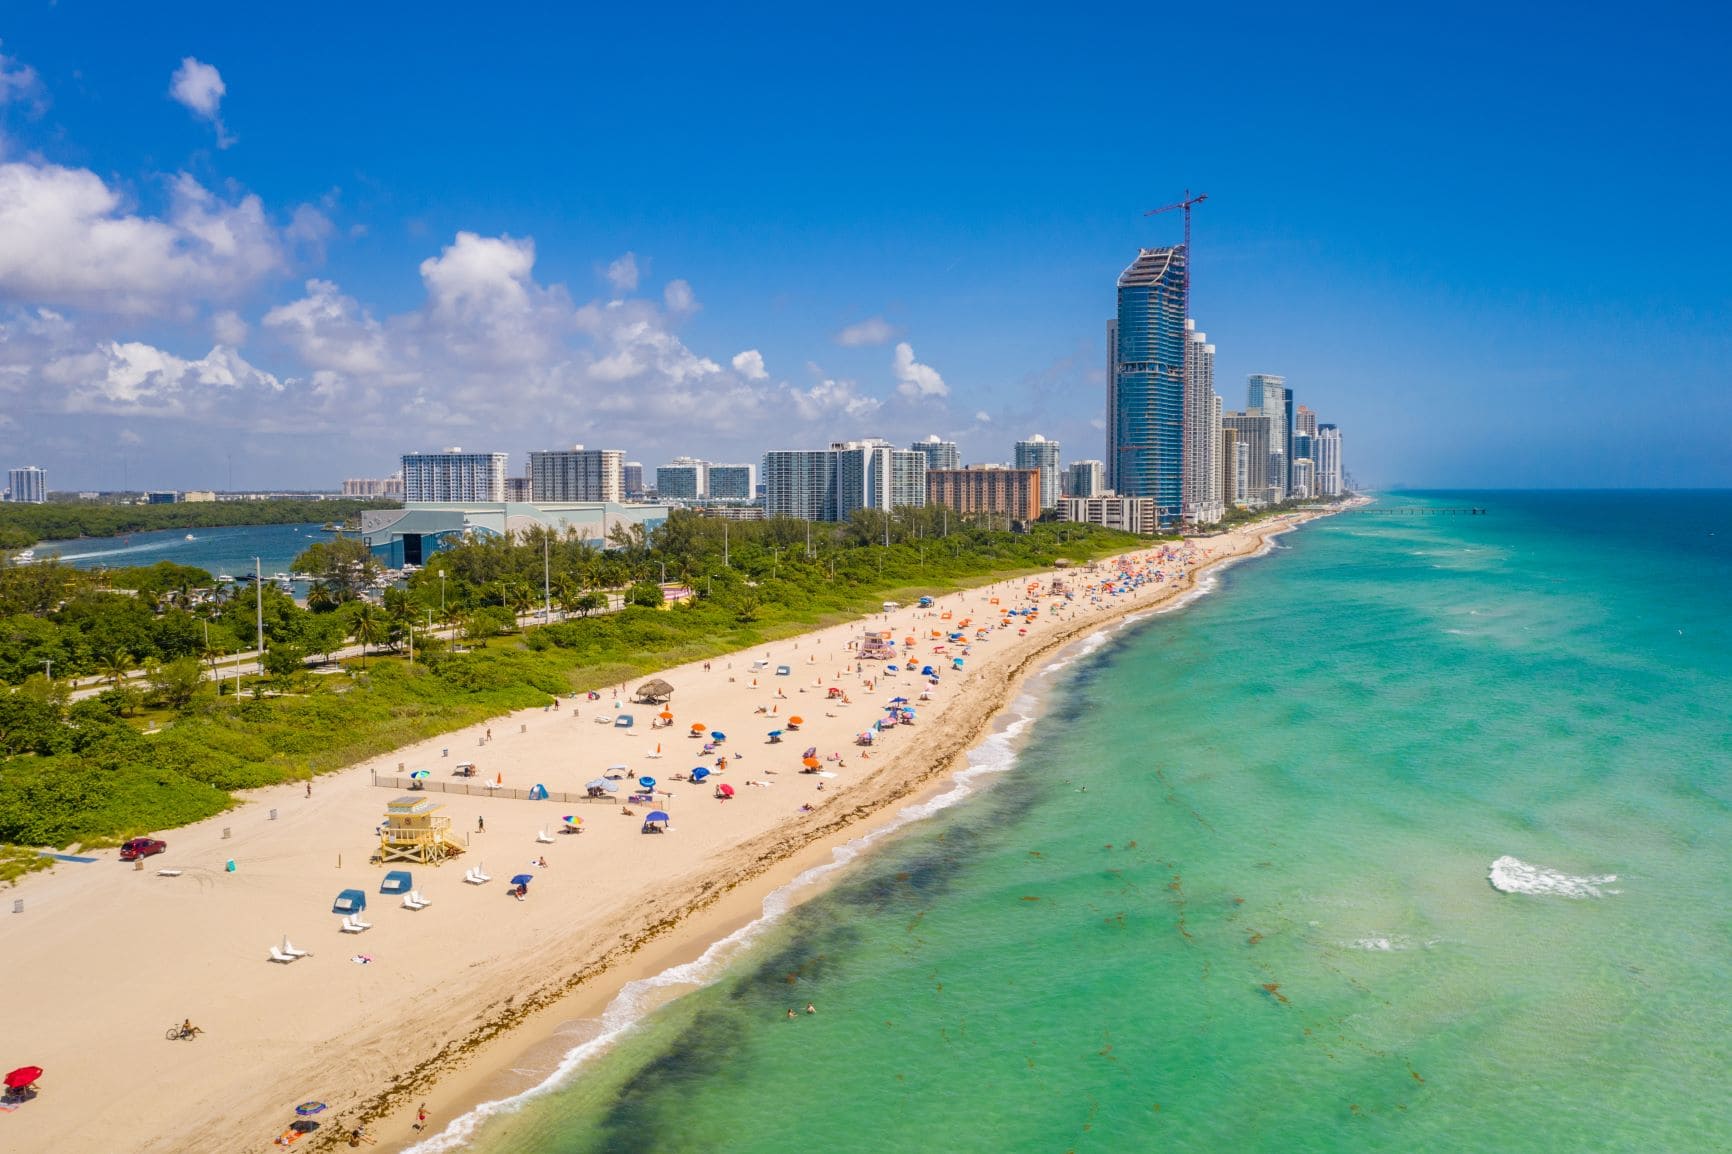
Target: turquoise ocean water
column 1228, row 890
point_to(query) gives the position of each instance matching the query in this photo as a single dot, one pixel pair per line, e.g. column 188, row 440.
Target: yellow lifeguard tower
column 414, row 831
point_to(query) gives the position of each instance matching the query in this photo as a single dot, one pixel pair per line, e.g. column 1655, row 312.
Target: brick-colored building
column 1012, row 493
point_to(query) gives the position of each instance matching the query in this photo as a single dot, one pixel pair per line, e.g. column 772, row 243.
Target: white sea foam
column 1388, row 943
column 995, row 754
column 1511, row 875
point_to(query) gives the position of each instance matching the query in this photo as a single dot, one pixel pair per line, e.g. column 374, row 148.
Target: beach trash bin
column 229, row 866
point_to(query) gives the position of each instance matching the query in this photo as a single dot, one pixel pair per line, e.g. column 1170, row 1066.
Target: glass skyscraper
column 1146, row 389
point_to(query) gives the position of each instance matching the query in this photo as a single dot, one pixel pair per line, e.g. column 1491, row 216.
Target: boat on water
column 25, row 557
column 280, row 578
column 190, row 537
column 226, row 578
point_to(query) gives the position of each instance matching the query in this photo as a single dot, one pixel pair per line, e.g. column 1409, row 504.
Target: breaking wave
column 1511, row 875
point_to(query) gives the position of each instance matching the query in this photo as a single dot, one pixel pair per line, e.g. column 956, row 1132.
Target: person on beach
column 480, row 824
column 810, row 1008
column 309, row 789
column 791, row 1014
column 542, row 863
column 421, row 1116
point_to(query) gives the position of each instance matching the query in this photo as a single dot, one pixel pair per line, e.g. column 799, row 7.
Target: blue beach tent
column 538, row 792
column 349, row 902
column 396, row 882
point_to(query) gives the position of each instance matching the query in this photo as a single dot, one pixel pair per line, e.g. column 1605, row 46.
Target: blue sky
column 1489, row 243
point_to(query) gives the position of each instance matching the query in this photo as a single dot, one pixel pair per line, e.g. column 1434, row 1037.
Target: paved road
column 247, row 663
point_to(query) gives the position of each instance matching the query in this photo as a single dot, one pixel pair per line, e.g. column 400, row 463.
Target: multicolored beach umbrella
column 306, row 1108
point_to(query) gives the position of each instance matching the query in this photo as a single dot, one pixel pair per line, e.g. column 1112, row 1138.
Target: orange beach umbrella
column 810, row 762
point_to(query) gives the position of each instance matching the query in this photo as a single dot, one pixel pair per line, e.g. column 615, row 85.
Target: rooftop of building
column 1151, row 265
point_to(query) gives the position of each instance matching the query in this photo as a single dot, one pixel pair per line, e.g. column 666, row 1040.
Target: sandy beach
column 436, row 1005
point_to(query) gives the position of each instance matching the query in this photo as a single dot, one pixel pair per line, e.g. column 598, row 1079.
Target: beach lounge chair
column 412, row 902
column 351, row 926
column 289, row 949
column 420, row 900
column 544, row 838
column 278, row 956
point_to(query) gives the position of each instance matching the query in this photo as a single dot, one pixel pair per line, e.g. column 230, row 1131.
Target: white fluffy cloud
column 67, row 239
column 622, row 275
column 229, row 328
column 750, row 365
column 871, row 331
column 680, row 298
column 137, row 378
column 200, row 88
column 18, row 82
column 914, row 379
column 829, row 400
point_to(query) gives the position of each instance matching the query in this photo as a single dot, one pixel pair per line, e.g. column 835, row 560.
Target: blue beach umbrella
column 647, row 782
column 898, row 701
column 656, row 815
column 717, row 735
column 700, row 773
column 775, row 733
column 308, row 1108
column 421, row 773
column 522, row 879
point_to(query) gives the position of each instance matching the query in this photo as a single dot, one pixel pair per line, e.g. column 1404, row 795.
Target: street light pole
column 259, row 597
column 441, row 592
column 546, row 582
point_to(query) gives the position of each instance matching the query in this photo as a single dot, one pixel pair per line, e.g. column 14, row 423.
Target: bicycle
column 179, row 1031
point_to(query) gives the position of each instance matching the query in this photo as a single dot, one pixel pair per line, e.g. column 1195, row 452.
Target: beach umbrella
column 572, row 819
column 698, row 727
column 519, row 880
column 811, row 751
column 307, row 1108
column 421, row 773
column 775, row 733
column 725, row 790
column 620, row 768
column 22, row 1077
column 647, row 782
column 665, row 715
column 656, row 815
column 303, row 1126
column 796, row 721
column 700, row 773
column 717, row 735
column 603, row 783
column 898, row 701
column 810, row 762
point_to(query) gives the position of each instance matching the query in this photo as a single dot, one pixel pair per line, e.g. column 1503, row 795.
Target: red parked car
column 141, row 847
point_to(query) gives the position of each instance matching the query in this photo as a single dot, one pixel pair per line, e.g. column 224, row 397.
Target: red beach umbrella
column 724, row 791
column 22, row 1077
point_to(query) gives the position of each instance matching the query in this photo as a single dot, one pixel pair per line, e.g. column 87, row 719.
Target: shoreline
column 443, row 1004
column 544, row 1041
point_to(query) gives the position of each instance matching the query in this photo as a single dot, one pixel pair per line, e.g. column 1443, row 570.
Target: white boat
column 280, row 577
column 190, row 537
column 25, row 557
column 227, row 578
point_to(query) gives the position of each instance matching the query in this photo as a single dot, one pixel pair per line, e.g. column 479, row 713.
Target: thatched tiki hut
column 654, row 691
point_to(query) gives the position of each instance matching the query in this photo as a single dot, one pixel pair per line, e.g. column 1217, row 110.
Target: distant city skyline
column 243, row 284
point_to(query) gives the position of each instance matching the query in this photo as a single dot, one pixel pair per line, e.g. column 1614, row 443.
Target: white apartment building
column 1085, row 479
column 577, row 474
column 1132, row 514
column 1328, row 450
column 1039, row 453
column 28, row 485
column 453, row 475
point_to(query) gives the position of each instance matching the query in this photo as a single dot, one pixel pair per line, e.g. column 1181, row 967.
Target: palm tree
column 115, row 667
column 368, row 627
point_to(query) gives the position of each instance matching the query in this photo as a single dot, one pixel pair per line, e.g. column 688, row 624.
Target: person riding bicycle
column 188, row 1030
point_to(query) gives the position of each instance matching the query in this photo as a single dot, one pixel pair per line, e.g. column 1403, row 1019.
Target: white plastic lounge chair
column 354, row 925
column 278, row 956
column 289, row 949
column 409, row 902
column 422, row 898
column 482, row 877
column 355, row 919
column 469, row 876
column 544, row 838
